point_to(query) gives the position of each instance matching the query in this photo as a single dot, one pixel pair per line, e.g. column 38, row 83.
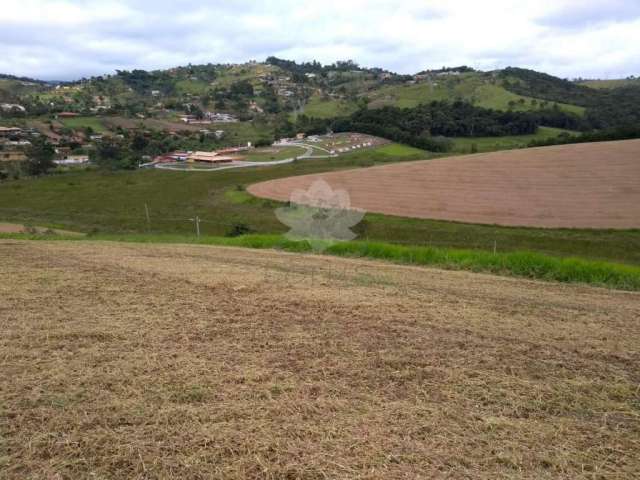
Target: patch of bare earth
column 19, row 228
column 191, row 362
column 589, row 185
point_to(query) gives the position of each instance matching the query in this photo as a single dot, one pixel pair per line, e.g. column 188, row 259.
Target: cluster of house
column 13, row 144
column 282, row 85
column 209, row 118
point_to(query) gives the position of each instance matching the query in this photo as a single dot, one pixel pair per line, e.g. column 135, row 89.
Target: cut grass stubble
column 522, row 264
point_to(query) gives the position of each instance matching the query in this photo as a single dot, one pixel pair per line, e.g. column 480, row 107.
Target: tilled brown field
column 594, row 185
column 192, row 362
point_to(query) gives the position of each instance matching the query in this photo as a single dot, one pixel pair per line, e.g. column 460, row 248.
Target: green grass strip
column 519, row 264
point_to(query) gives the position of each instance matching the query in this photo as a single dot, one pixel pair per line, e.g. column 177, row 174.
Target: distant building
column 172, row 157
column 62, row 152
column 73, row 160
column 255, row 107
column 12, row 107
column 235, row 149
column 7, row 132
column 17, row 143
column 12, row 155
column 209, row 157
column 220, row 117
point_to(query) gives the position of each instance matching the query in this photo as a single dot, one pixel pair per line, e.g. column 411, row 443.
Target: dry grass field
column 152, row 361
column 589, row 185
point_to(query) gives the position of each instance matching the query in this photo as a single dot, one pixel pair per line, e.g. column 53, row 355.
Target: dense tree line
column 456, row 119
column 313, row 67
column 425, row 125
column 143, row 82
column 460, row 69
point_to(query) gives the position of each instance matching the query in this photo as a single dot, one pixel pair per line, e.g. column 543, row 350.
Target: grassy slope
column 84, row 200
column 319, row 108
column 469, row 87
column 489, row 144
column 518, row 264
column 158, row 362
column 82, row 122
column 194, row 87
column 114, row 202
column 267, row 154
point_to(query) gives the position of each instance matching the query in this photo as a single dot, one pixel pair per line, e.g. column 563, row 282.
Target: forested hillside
column 605, row 107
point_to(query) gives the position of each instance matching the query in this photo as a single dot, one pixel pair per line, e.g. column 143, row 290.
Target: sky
column 70, row 39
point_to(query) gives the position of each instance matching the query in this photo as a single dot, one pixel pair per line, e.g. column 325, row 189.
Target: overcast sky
column 68, row 39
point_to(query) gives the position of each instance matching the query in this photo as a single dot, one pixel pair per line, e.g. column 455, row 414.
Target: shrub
column 239, row 229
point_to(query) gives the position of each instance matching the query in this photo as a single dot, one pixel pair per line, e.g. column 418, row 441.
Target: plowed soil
column 124, row 361
column 594, row 185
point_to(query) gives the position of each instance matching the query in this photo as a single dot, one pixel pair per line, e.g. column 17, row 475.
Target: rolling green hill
column 481, row 89
column 317, row 91
column 279, row 98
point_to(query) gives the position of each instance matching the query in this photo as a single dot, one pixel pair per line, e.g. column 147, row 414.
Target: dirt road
column 191, row 362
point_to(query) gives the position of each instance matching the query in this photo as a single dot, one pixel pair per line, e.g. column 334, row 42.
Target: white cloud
column 71, row 38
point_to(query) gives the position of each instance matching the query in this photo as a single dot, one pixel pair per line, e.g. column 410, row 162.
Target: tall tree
column 40, row 157
column 108, row 155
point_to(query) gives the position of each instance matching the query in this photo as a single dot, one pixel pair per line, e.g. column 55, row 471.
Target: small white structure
column 73, row 160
